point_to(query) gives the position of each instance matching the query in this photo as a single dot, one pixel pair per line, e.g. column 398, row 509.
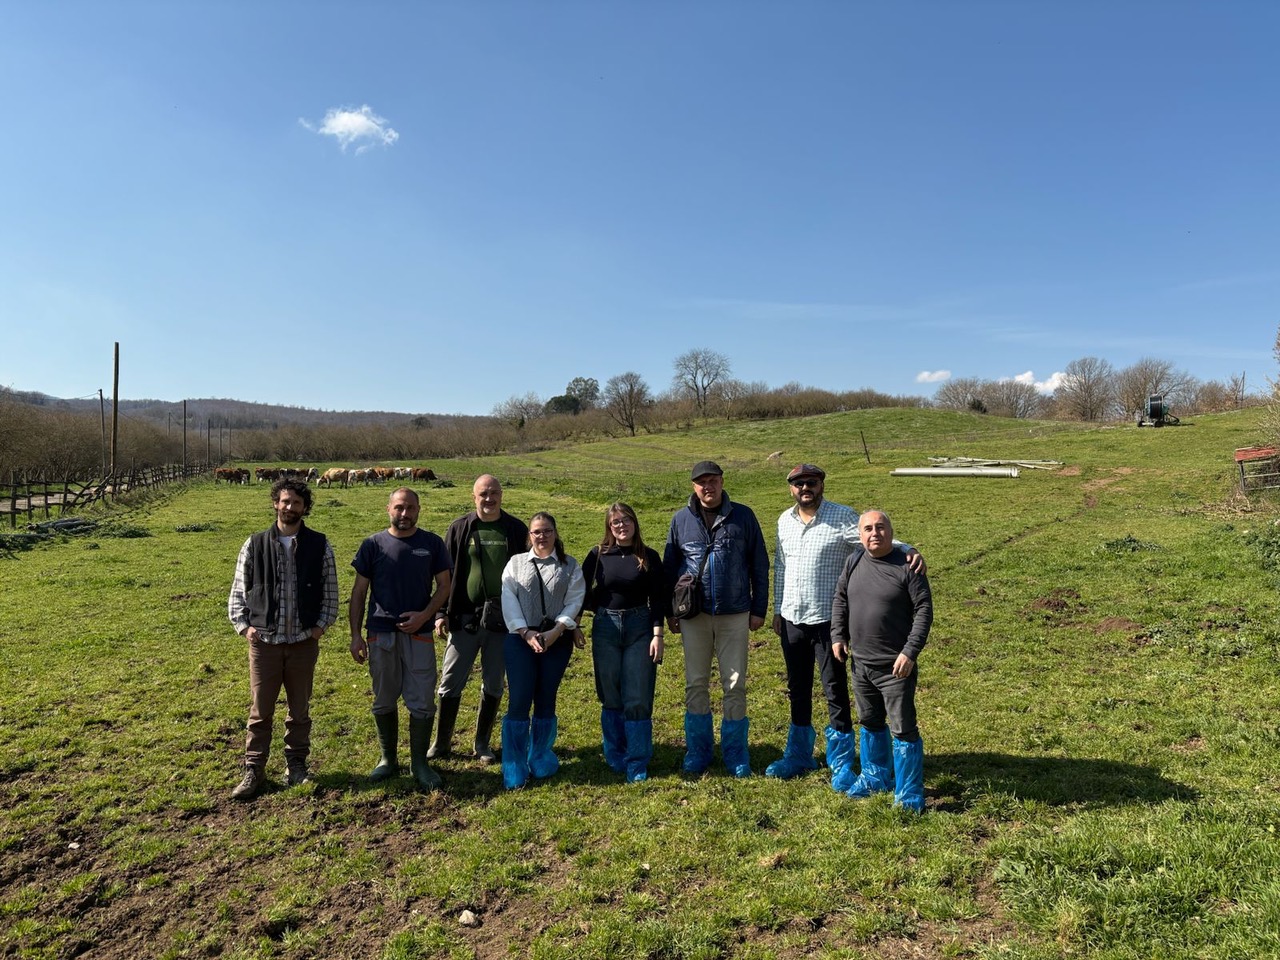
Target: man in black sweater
column 881, row 615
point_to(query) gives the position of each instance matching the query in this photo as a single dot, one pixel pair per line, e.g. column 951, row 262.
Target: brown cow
column 338, row 474
column 423, row 473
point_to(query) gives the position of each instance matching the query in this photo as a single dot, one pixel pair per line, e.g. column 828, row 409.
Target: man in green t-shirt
column 480, row 544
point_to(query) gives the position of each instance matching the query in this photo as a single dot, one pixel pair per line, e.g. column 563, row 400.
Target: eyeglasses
column 803, row 482
column 542, row 533
column 619, row 522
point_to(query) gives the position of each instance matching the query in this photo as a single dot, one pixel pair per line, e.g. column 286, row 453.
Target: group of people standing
column 507, row 592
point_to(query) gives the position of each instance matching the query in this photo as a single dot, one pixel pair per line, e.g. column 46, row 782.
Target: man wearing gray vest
column 283, row 598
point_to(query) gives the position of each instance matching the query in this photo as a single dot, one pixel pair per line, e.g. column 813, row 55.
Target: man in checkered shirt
column 283, row 598
column 815, row 537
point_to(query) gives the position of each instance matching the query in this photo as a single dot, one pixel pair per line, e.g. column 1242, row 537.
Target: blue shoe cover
column 840, row 757
column 797, row 758
column 699, row 742
column 515, row 753
column 908, row 769
column 733, row 746
column 877, row 757
column 615, row 740
column 639, row 749
column 542, row 761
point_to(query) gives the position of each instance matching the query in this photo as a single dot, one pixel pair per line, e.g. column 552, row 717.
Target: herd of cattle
column 340, row 476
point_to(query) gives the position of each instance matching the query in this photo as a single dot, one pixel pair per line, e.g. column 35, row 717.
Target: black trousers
column 806, row 644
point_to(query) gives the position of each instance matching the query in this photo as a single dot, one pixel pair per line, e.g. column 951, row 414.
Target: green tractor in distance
column 1155, row 413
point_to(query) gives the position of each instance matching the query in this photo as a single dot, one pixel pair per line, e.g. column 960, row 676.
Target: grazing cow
column 404, row 473
column 262, row 473
column 380, row 474
column 423, row 473
column 231, row 475
column 313, row 475
column 357, row 476
column 333, row 475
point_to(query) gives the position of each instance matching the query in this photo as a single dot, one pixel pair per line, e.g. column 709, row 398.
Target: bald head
column 486, row 493
column 876, row 532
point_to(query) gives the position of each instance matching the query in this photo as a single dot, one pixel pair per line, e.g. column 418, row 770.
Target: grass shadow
column 960, row 780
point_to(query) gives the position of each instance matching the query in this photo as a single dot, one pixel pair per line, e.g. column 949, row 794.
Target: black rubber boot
column 448, row 718
column 388, row 740
column 419, row 737
column 484, row 728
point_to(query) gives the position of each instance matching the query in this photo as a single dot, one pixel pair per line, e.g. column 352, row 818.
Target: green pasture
column 1099, row 702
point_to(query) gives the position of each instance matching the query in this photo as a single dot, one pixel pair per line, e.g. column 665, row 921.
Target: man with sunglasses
column 815, row 538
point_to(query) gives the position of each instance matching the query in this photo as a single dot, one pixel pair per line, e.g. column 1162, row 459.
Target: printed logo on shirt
column 421, row 552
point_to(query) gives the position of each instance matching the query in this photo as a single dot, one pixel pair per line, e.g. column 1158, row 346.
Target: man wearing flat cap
column 815, row 538
column 720, row 544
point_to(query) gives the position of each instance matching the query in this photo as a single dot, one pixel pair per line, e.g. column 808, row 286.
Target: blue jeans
column 533, row 679
column 625, row 674
column 881, row 696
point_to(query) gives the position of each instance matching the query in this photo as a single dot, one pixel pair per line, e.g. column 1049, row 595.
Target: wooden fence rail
column 49, row 498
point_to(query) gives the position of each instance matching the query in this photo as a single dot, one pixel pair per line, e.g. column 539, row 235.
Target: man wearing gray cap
column 719, row 546
column 815, row 538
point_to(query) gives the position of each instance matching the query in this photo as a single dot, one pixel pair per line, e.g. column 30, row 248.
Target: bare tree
column 1151, row 376
column 960, row 393
column 1012, row 398
column 696, row 372
column 626, row 397
column 1087, row 391
column 519, row 410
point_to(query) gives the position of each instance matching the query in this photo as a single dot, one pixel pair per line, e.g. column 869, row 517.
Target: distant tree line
column 1091, row 389
column 44, row 437
column 702, row 386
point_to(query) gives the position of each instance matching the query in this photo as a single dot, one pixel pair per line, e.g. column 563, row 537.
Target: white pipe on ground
column 954, row 472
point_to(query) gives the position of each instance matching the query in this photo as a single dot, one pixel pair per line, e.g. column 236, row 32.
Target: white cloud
column 1042, row 386
column 933, row 376
column 362, row 127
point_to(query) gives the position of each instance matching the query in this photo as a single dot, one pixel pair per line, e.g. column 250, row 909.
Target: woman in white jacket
column 542, row 592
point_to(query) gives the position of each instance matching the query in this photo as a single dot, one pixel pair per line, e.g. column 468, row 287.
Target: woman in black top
column 626, row 593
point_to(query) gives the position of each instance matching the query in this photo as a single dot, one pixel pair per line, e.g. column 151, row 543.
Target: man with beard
column 815, row 538
column 479, row 544
column 283, row 598
column 407, row 570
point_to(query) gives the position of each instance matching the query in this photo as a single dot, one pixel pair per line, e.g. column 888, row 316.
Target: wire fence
column 23, row 497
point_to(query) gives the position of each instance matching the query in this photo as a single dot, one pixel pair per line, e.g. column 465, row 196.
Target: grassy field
column 1099, row 702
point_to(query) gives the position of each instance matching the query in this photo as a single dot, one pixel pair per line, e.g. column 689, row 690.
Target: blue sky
column 430, row 207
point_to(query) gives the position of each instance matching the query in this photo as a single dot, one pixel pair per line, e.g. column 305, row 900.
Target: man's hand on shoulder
column 915, row 561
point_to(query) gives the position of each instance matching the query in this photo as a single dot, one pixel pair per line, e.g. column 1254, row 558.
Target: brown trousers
column 272, row 666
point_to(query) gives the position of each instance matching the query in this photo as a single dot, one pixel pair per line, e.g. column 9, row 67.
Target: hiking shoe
column 298, row 773
column 248, row 788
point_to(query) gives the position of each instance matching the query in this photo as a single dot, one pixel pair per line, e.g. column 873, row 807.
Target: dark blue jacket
column 736, row 578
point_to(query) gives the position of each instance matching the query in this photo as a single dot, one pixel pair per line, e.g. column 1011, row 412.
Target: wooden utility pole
column 115, row 408
column 184, row 438
column 102, row 411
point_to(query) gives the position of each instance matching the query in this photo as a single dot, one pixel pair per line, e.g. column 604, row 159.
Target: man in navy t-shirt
column 408, row 573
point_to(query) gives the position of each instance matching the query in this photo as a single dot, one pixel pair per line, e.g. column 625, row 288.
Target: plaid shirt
column 287, row 578
column 808, row 559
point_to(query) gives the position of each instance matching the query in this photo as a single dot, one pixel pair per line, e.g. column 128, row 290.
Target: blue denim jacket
column 736, row 578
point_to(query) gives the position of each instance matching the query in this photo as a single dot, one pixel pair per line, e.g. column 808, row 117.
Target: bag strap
column 542, row 585
column 711, row 539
